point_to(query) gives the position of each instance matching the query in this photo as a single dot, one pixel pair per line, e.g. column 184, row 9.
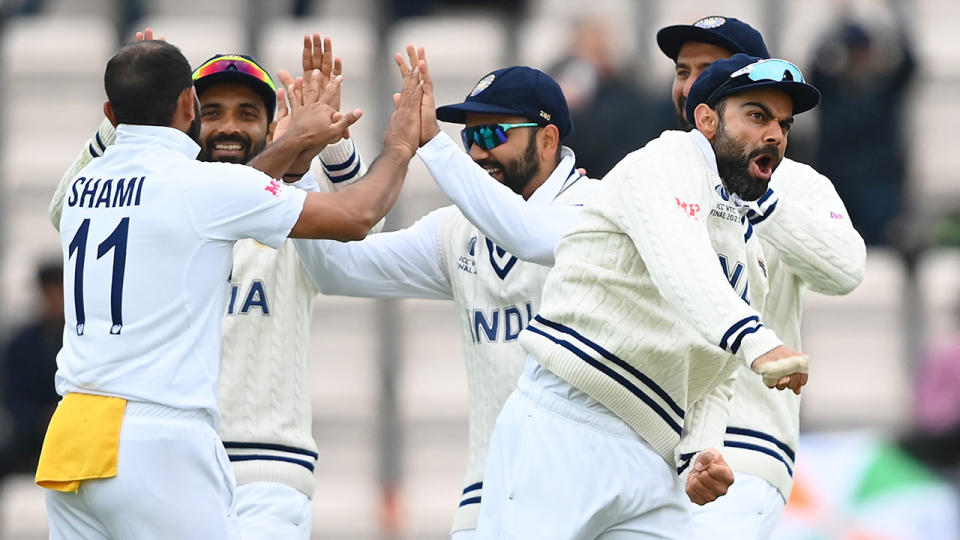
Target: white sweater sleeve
column 704, row 426
column 530, row 233
column 400, row 264
column 803, row 218
column 678, row 254
column 105, row 136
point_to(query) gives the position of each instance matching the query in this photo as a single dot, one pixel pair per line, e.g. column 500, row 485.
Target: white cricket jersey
column 147, row 235
column 808, row 242
column 444, row 256
column 646, row 310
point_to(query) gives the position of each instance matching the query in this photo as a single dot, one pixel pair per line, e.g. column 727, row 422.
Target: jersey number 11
column 117, row 240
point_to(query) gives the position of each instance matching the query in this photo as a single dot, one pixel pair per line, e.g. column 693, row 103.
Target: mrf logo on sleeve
column 274, row 188
column 691, row 209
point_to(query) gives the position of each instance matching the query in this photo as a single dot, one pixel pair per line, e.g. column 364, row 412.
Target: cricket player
column 264, row 392
column 638, row 339
column 515, row 120
column 808, row 242
column 147, row 234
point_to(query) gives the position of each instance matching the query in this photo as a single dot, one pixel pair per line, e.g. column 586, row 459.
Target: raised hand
column 429, row 127
column 318, row 55
column 710, row 477
column 146, row 35
column 311, row 118
column 404, row 131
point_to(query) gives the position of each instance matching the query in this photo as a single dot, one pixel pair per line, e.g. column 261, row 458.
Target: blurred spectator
column 936, row 439
column 611, row 116
column 860, row 144
column 27, row 367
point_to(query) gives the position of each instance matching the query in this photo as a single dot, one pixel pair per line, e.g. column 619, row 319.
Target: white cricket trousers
column 560, row 471
column 173, row 481
column 749, row 511
column 272, row 511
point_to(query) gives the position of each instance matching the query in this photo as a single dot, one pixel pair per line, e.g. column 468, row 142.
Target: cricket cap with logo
column 732, row 34
column 741, row 73
column 237, row 68
column 518, row 90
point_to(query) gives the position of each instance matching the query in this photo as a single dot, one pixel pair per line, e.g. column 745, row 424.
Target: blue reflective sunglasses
column 772, row 69
column 489, row 136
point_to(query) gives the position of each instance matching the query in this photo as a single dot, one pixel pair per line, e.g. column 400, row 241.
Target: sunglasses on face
column 489, row 136
column 233, row 63
column 773, row 69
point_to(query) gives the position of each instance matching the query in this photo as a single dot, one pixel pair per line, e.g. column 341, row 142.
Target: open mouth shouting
column 763, row 162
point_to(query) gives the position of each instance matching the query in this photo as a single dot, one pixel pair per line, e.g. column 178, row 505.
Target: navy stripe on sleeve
column 341, row 166
column 736, row 327
column 336, row 179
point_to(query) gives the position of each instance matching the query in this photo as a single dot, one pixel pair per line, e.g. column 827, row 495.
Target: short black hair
column 143, row 81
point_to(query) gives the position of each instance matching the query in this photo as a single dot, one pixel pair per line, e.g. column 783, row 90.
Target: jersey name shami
column 106, row 193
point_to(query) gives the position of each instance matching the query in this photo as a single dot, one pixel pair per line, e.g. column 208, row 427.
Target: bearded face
column 745, row 172
column 515, row 173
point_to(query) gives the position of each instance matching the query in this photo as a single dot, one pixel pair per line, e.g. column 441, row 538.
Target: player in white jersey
column 634, row 351
column 808, row 242
column 148, row 232
column 264, row 393
column 515, row 120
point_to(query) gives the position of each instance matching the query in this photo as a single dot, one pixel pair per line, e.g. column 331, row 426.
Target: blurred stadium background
column 388, row 381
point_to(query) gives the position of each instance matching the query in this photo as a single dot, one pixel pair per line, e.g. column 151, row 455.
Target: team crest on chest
column 501, row 261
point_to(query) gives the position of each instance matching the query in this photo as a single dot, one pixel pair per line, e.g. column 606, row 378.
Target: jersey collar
column 560, row 179
column 706, row 149
column 167, row 137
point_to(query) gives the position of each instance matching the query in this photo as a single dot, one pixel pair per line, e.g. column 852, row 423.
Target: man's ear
column 549, row 141
column 108, row 111
column 707, row 120
column 187, row 103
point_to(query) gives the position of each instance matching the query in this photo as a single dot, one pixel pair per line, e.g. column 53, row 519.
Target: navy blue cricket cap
column 741, row 72
column 732, row 34
column 517, row 90
column 238, row 68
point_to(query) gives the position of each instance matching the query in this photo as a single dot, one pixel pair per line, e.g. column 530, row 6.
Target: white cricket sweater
column 445, row 256
column 264, row 380
column 808, row 242
column 638, row 314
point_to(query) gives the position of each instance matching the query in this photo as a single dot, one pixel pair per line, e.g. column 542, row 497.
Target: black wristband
column 296, row 175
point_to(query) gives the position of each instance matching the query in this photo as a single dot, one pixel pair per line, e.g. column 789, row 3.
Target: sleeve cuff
column 341, row 161
column 338, row 152
column 436, row 147
column 759, row 343
column 307, row 183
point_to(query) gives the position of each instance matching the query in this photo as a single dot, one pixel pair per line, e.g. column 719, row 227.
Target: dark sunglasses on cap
column 772, row 69
column 489, row 136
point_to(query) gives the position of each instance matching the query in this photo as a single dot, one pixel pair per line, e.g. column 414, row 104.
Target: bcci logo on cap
column 483, row 84
column 710, row 22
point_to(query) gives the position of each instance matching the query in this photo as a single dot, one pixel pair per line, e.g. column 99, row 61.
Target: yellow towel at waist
column 82, row 441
